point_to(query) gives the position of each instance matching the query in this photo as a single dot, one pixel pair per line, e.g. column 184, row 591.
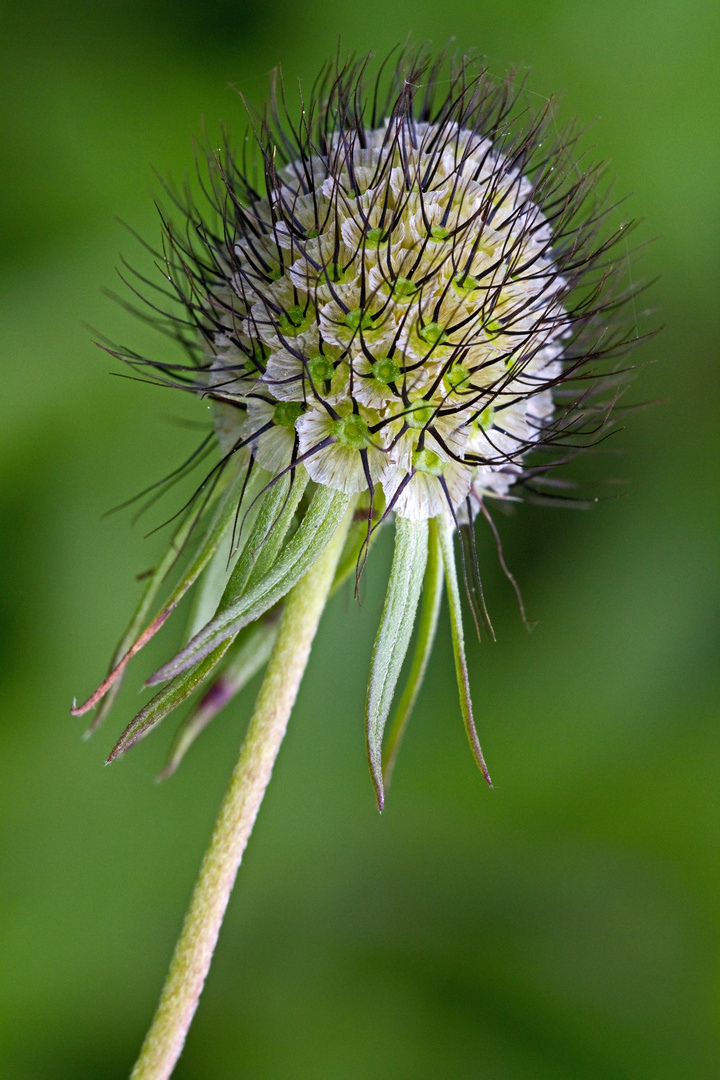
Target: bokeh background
column 563, row 925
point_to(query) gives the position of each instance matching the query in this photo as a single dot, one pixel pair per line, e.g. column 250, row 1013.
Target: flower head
column 397, row 306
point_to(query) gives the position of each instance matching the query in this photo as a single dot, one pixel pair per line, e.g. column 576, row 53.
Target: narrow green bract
column 393, row 637
column 140, row 614
column 277, row 508
column 222, row 519
column 213, row 581
column 318, row 526
column 432, row 591
column 270, row 529
column 247, row 655
column 220, row 522
column 172, row 695
column 445, row 533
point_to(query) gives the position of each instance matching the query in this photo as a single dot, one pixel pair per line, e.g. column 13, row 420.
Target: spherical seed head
column 436, row 268
column 412, row 290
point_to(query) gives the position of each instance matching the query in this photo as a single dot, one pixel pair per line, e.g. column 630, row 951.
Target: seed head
column 407, row 299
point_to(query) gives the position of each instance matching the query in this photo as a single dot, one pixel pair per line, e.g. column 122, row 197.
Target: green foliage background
column 562, row 926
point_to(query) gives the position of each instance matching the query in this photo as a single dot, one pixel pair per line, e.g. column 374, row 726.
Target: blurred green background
column 565, row 924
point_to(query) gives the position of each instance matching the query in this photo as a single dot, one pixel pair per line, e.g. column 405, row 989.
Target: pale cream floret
column 257, row 263
column 371, row 391
column 233, row 373
column 292, row 377
column 285, row 376
column 284, row 313
column 505, row 439
column 326, row 270
column 436, row 326
column 351, row 179
column 337, row 465
column 272, row 448
column 437, row 222
column 403, row 275
column 376, row 326
column 301, row 214
column 424, row 495
column 443, row 437
column 357, row 231
column 303, row 177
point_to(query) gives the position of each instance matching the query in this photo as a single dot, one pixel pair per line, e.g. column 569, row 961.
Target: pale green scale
column 386, row 370
column 456, row 378
column 464, row 284
column 286, row 413
column 418, row 414
column 320, row 369
column 438, row 233
column 403, row 288
column 427, row 461
column 359, row 320
column 351, row 431
column 296, row 320
column 333, row 274
column 376, row 238
column 433, row 333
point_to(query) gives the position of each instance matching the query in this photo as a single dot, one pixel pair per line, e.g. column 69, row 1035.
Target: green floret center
column 404, row 288
column 386, row 370
column 427, row 461
column 260, row 353
column 439, row 233
column 334, row 274
column 492, row 328
column 487, row 417
column 464, row 284
column 275, row 273
column 286, row 413
column 351, row 431
column 296, row 320
column 321, row 369
column 434, row 333
column 419, row 414
column 359, row 319
column 376, row 238
column 456, row 377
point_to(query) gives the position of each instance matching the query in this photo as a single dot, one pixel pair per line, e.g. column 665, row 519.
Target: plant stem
column 193, row 952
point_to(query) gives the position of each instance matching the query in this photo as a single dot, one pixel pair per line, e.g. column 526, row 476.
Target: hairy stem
column 193, row 952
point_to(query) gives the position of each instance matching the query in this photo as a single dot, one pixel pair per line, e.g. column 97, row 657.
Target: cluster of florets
column 397, row 318
column 401, row 305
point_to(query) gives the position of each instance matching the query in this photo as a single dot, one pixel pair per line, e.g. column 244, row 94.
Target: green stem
column 193, row 952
